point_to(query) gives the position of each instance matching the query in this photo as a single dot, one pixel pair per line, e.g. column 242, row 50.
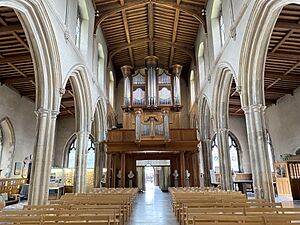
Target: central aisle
column 153, row 207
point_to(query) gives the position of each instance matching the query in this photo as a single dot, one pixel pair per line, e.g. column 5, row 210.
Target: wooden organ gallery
column 152, row 130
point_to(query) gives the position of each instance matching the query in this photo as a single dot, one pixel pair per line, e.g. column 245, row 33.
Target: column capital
column 254, row 108
column 165, row 110
column 223, row 129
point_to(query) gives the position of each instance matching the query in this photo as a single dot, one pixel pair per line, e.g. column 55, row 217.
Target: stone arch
column 254, row 49
column 43, row 48
column 224, row 77
column 8, row 147
column 78, row 77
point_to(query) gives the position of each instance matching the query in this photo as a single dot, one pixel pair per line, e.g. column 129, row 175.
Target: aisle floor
column 153, row 207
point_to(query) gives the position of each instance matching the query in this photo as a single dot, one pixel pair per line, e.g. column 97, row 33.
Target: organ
column 151, row 124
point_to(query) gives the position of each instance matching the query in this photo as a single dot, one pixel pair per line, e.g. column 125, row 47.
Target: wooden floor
column 153, row 207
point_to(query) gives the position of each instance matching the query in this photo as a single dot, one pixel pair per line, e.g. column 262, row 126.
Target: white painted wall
column 65, row 128
column 237, row 126
column 20, row 112
column 283, row 124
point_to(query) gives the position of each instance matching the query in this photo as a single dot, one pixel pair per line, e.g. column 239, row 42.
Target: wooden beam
column 175, row 27
column 125, row 22
column 282, row 40
column 15, row 58
column 278, row 91
column 138, row 3
column 283, row 56
column 151, row 29
column 293, row 78
column 10, row 28
column 290, row 26
column 27, row 93
column 16, row 80
column 180, row 46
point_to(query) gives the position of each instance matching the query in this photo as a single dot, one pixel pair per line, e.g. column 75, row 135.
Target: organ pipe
column 127, row 72
column 176, row 71
column 151, row 64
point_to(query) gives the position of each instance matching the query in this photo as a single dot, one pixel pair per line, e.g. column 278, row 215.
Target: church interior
column 161, row 112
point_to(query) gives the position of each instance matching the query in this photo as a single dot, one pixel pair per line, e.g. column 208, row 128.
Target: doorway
column 153, row 173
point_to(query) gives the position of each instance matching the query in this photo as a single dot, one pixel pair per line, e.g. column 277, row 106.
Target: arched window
column 101, row 66
column 192, row 87
column 111, row 88
column 218, row 27
column 222, row 27
column 202, row 75
column 78, row 29
column 71, row 157
column 234, row 153
column 270, row 151
column 82, row 27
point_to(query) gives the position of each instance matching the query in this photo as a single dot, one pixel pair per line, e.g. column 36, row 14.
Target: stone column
column 123, row 169
column 182, row 169
column 259, row 157
column 206, row 151
column 80, row 163
column 98, row 172
column 42, row 157
column 224, row 159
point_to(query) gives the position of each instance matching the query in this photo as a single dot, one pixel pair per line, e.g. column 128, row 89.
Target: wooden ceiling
column 282, row 69
column 16, row 66
column 135, row 29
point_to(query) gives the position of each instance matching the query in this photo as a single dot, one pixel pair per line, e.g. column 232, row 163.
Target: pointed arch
column 224, row 77
column 43, row 48
column 254, row 49
column 78, row 77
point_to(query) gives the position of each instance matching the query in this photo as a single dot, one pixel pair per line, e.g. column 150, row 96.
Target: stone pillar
column 80, row 163
column 108, row 172
column 98, row 172
column 42, row 157
column 123, row 169
column 259, row 157
column 224, row 159
column 166, row 124
column 182, row 169
column 206, row 151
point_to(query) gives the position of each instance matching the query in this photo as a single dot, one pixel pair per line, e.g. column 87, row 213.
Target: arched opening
column 235, row 153
column 101, row 67
column 70, row 154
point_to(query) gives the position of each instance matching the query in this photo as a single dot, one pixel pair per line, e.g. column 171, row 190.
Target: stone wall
column 20, row 113
column 283, row 124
